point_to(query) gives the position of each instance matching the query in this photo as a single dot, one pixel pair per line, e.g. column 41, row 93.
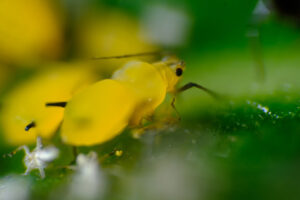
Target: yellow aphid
column 25, row 105
column 101, row 111
column 29, row 30
column 149, row 85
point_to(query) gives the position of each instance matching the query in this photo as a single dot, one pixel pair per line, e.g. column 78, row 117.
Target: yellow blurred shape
column 4, row 75
column 26, row 103
column 119, row 153
column 29, row 30
column 104, row 109
column 97, row 114
column 112, row 33
column 148, row 86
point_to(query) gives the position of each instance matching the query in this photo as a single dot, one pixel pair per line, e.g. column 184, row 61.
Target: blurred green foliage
column 247, row 153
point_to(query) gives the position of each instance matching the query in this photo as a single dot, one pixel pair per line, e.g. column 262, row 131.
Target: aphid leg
column 57, row 104
column 29, row 126
column 69, row 167
column 191, row 85
column 139, row 131
column 174, row 107
column 75, row 151
column 75, row 154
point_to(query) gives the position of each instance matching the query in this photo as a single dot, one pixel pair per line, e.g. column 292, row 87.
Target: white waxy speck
column 165, row 25
column 39, row 157
column 14, row 188
column 48, row 154
column 261, row 9
column 88, row 181
column 263, row 108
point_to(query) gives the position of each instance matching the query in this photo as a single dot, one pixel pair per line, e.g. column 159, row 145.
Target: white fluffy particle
column 263, row 108
column 39, row 157
column 165, row 25
column 88, row 182
column 170, row 177
column 261, row 9
column 14, row 188
column 48, row 154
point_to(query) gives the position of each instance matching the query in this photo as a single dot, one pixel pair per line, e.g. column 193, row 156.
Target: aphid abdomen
column 98, row 113
column 26, row 103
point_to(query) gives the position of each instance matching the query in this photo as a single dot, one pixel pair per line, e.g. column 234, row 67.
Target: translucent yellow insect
column 25, row 107
column 110, row 32
column 101, row 111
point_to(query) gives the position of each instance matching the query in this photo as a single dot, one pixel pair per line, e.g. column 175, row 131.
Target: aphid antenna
column 181, row 63
column 151, row 53
column 195, row 85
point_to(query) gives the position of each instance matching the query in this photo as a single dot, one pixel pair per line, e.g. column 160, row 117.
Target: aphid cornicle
column 104, row 109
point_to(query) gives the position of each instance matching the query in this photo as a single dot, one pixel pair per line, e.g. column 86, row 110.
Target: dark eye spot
column 179, row 72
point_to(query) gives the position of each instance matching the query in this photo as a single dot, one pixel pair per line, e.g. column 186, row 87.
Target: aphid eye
column 179, row 72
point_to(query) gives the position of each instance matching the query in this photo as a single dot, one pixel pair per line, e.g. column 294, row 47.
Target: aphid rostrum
column 101, row 111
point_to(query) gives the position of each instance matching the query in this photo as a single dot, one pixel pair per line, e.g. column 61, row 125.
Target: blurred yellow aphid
column 25, row 105
column 110, row 32
column 29, row 30
column 103, row 110
column 119, row 153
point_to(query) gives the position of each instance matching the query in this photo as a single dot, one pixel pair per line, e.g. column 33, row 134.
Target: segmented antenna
column 153, row 53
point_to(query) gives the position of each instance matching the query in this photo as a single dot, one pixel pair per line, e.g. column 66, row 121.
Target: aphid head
column 174, row 72
column 179, row 68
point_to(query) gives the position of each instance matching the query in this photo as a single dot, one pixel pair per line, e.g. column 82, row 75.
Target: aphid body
column 24, row 107
column 104, row 109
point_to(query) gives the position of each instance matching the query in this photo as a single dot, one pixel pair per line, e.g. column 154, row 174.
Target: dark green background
column 247, row 153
